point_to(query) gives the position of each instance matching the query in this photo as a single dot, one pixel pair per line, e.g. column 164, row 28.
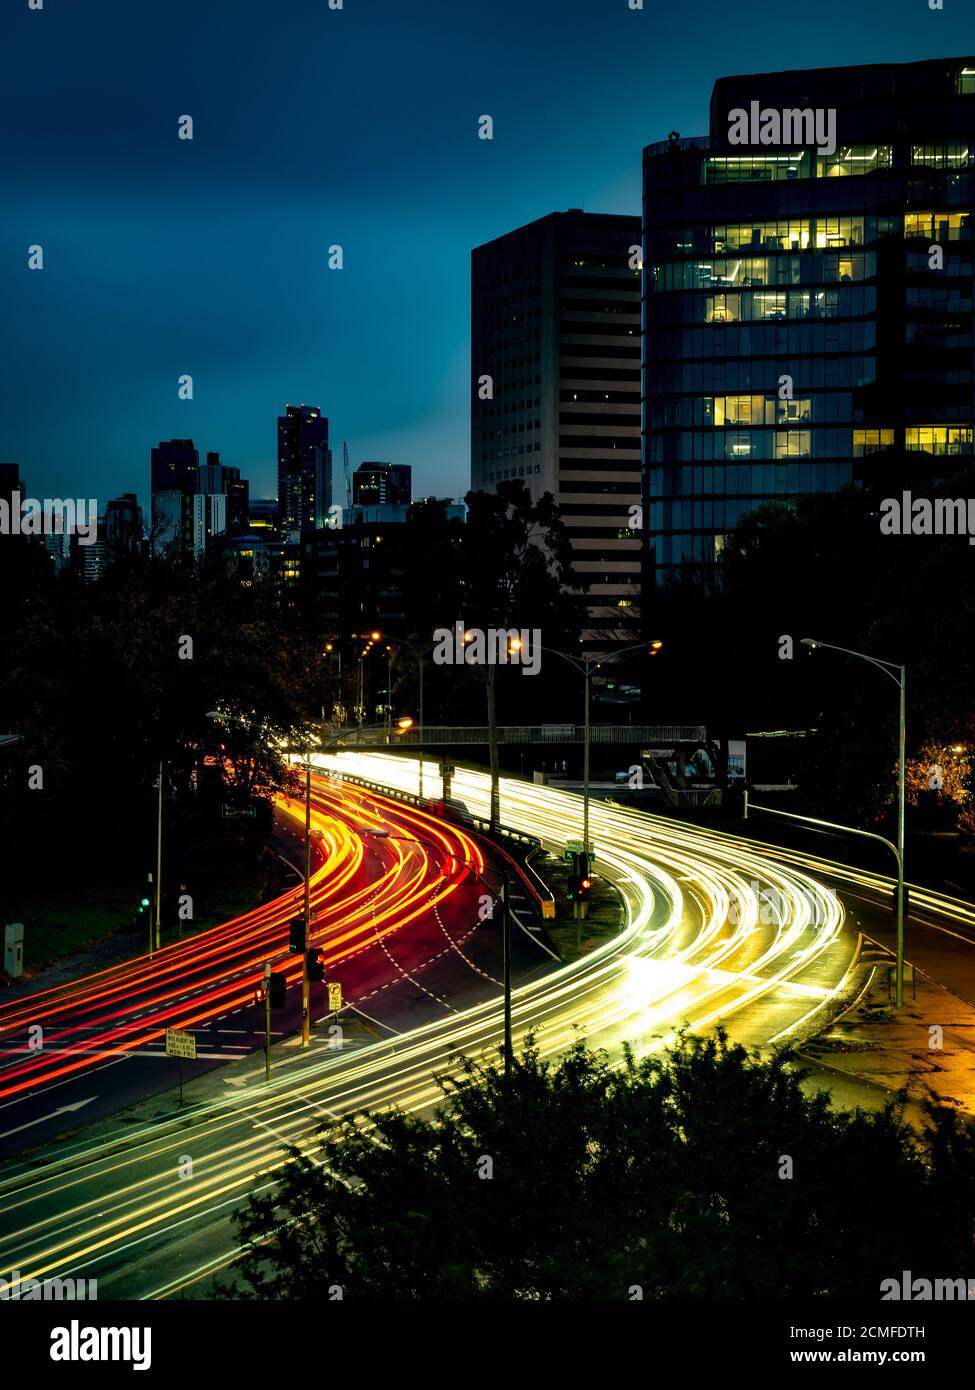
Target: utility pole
column 305, row 982
column 495, row 812
column 901, row 740
column 585, row 768
column 506, row 953
column 159, row 860
column 267, row 1022
column 389, row 694
column 420, row 784
column 898, row 674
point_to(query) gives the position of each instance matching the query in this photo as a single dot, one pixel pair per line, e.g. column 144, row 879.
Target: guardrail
column 533, row 881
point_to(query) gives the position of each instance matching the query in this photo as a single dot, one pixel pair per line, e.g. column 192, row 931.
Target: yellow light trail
column 700, row 946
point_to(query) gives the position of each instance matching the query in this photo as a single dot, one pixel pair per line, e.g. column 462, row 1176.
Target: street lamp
column 587, row 666
column 900, row 680
column 419, row 652
column 505, row 921
column 331, row 650
column 370, row 638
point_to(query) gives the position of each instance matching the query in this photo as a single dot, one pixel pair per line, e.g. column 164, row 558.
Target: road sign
column 13, row 950
column 573, row 847
column 180, row 1044
column 234, row 812
column 334, row 996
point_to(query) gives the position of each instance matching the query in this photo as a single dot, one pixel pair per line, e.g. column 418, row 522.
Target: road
column 717, row 932
column 398, row 933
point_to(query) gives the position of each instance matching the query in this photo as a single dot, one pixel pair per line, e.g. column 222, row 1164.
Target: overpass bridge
column 647, row 735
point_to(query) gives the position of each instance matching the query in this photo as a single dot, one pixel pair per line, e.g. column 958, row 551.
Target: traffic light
column 143, row 904
column 279, row 990
column 573, row 885
column 316, row 966
column 585, row 888
column 296, row 934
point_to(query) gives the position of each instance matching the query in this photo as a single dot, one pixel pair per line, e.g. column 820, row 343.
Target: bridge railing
column 649, row 735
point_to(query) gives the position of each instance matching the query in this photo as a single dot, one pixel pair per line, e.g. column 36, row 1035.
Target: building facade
column 304, row 469
column 174, row 475
column 555, row 362
column 376, row 484
column 807, row 296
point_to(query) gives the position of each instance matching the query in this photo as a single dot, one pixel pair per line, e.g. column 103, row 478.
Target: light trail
column 716, row 932
column 216, row 972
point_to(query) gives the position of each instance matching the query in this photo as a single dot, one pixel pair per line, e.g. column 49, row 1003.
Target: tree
column 700, row 1173
column 93, row 677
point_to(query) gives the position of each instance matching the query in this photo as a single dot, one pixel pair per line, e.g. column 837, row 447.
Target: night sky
column 315, row 127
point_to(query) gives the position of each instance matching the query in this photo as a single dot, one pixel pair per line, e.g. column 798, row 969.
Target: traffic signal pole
column 305, row 983
column 585, row 764
column 506, row 957
column 267, row 1022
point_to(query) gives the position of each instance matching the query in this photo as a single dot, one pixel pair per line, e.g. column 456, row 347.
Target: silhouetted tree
column 700, row 1173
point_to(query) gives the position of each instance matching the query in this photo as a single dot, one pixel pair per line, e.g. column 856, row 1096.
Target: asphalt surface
column 110, row 1030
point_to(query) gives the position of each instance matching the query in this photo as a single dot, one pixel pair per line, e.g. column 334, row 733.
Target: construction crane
column 348, row 475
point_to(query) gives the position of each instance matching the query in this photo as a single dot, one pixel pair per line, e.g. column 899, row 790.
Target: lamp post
column 330, row 650
column 587, row 666
column 158, row 912
column 900, row 680
column 505, row 922
column 371, row 638
column 420, row 653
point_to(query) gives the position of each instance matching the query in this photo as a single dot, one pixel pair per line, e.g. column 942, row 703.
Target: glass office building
column 807, row 311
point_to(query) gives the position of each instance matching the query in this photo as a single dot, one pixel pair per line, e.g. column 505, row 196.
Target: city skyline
column 196, row 259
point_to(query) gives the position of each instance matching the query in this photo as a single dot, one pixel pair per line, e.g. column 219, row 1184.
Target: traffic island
column 606, row 918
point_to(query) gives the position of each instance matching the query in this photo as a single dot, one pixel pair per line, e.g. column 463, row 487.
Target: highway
column 717, row 932
column 384, row 915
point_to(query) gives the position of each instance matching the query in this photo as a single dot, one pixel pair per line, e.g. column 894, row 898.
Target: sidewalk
column 927, row 1047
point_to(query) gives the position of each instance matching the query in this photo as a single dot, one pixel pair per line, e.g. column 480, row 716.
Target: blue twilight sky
column 316, row 126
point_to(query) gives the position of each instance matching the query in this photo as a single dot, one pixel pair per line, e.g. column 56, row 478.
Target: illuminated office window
column 722, row 308
column 953, row 154
column 792, row 443
column 939, row 439
column 937, row 226
column 871, row 441
column 787, row 412
column 755, row 168
column 853, row 159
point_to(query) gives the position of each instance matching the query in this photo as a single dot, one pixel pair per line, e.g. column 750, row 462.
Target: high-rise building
column 555, row 358
column 375, row 484
column 208, row 518
column 216, row 477
column 118, row 536
column 175, row 467
column 121, row 526
column 808, row 295
column 304, row 469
